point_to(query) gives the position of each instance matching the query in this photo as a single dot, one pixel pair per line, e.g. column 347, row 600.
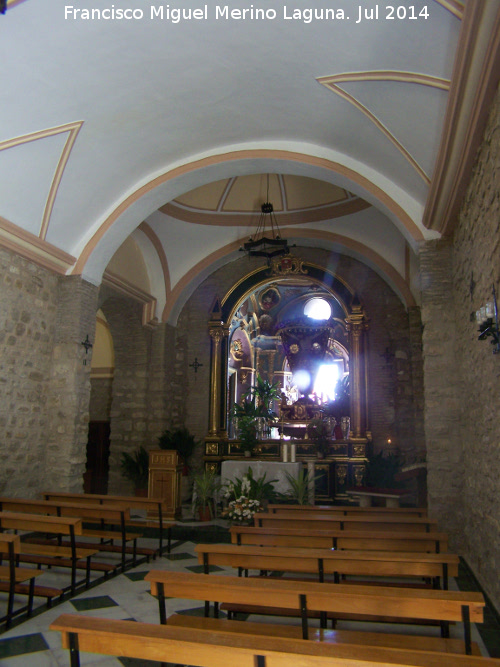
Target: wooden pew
column 306, row 523
column 323, row 562
column 207, row 648
column 54, row 555
column 91, row 514
column 303, row 598
column 341, row 539
column 359, row 638
column 154, row 506
column 13, row 579
column 341, row 510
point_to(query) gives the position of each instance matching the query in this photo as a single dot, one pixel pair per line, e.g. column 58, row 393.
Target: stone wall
column 28, row 316
column 44, row 386
column 476, row 266
column 443, row 414
column 147, row 392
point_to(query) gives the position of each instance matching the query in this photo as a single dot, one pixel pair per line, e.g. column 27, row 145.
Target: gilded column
column 356, row 326
column 216, row 334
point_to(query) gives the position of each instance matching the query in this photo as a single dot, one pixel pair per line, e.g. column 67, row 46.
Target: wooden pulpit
column 165, row 472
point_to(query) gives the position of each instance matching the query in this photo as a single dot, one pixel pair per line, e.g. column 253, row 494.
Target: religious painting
column 269, row 298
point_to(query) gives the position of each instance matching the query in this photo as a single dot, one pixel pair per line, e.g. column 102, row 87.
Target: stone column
column 69, row 385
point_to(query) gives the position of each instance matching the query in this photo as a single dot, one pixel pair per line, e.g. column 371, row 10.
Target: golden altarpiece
column 261, row 328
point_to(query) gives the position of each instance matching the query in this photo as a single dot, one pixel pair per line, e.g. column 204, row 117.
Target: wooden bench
column 153, row 506
column 13, row 579
column 339, row 510
column 341, row 539
column 306, row 523
column 53, row 555
column 323, row 562
column 360, row 638
column 117, row 516
column 206, row 648
column 272, row 596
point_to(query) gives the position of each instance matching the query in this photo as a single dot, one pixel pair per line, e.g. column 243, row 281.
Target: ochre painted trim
column 454, row 6
column 124, row 287
column 387, row 75
column 222, row 219
column 72, row 129
column 331, row 82
column 30, row 247
column 148, row 231
column 323, row 163
column 452, row 171
column 363, row 250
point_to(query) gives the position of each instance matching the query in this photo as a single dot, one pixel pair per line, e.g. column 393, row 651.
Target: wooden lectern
column 165, row 471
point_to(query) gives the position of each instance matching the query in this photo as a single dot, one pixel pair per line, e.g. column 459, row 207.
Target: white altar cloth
column 230, row 470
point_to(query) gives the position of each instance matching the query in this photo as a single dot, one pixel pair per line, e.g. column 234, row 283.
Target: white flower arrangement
column 242, row 509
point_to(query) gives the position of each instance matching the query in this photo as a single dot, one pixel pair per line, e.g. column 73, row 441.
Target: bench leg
column 74, row 653
column 303, row 615
column 467, row 632
column 161, row 603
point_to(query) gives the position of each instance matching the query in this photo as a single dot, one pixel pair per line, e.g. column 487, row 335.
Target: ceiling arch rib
column 194, row 276
column 332, row 83
column 93, row 257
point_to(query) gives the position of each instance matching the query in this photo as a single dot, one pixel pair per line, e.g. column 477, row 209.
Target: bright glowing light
column 301, row 379
column 326, row 381
column 318, row 309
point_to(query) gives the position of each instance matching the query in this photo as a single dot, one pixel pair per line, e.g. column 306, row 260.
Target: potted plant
column 317, row 432
column 381, row 471
column 184, row 443
column 247, row 428
column 180, row 440
column 206, row 486
column 135, row 467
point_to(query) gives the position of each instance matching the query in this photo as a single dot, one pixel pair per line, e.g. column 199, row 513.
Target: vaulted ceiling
column 151, row 138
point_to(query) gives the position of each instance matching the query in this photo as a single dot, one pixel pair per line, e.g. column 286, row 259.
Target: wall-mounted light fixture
column 487, row 318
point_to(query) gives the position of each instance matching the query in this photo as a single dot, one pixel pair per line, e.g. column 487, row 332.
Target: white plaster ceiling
column 104, row 122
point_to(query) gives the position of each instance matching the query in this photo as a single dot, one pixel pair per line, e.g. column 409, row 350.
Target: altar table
column 230, row 470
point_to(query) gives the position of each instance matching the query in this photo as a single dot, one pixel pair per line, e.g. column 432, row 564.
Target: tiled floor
column 31, row 644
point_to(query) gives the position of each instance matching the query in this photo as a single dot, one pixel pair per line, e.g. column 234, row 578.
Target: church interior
column 271, row 228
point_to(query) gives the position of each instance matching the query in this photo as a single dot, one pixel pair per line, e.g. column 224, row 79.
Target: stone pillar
column 442, row 413
column 69, row 385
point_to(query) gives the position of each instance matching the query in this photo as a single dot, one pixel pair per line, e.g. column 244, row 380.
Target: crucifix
column 195, row 365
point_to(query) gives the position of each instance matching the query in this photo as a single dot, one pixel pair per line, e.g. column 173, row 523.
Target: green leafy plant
column 206, row 485
column 299, row 488
column 180, row 440
column 317, row 432
column 263, row 393
column 252, row 488
column 247, row 430
column 381, row 470
column 135, row 467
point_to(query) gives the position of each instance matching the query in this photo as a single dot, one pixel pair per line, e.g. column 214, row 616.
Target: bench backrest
column 422, row 524
column 47, row 524
column 349, row 511
column 209, row 648
column 326, row 561
column 82, row 510
column 104, row 499
column 428, row 604
column 339, row 539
